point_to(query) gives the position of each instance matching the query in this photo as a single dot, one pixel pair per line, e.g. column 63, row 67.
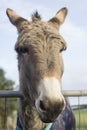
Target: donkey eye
column 63, row 46
column 24, row 50
column 21, row 50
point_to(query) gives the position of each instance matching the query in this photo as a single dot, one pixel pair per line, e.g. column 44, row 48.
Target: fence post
column 79, row 111
column 5, row 115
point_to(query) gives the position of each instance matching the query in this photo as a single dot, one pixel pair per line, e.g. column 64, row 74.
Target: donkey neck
column 30, row 117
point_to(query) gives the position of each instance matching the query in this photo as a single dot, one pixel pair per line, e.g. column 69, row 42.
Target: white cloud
column 75, row 75
column 74, row 34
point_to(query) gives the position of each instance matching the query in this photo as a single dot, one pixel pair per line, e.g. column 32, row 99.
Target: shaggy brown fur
column 39, row 46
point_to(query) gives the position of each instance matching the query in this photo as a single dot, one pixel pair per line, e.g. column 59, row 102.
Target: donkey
column 39, row 47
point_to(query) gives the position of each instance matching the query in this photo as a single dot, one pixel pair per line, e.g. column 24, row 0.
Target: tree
column 6, row 84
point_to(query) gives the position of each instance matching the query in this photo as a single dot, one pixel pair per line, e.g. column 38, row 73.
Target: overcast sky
column 74, row 32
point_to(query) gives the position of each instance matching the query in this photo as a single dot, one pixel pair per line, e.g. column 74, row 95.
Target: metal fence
column 9, row 98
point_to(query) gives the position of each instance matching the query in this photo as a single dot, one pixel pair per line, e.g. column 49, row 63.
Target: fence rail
column 10, row 94
column 18, row 94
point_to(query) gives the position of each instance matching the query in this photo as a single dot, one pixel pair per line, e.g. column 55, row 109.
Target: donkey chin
column 50, row 102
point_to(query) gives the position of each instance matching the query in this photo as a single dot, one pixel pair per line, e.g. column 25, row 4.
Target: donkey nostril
column 42, row 105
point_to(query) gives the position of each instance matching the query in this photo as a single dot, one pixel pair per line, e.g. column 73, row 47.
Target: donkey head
column 39, row 47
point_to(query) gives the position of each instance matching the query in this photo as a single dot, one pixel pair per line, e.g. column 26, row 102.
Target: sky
column 73, row 31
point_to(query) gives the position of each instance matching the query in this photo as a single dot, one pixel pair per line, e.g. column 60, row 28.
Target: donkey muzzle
column 50, row 102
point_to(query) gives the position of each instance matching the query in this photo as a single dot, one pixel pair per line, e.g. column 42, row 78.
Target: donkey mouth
column 48, row 116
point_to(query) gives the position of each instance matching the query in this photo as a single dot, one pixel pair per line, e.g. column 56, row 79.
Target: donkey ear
column 59, row 18
column 14, row 18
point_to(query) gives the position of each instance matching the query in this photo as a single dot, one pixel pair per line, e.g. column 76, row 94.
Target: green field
column 81, row 119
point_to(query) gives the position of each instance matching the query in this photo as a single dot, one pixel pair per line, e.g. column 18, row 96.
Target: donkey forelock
column 39, row 46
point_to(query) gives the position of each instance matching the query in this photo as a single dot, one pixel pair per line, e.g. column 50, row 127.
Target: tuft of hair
column 36, row 15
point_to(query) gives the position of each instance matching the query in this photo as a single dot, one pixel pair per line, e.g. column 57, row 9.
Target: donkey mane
column 36, row 15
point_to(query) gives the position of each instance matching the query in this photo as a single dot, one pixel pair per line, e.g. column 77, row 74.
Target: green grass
column 81, row 119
